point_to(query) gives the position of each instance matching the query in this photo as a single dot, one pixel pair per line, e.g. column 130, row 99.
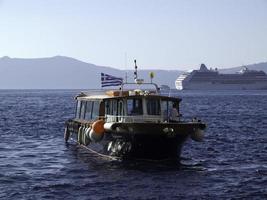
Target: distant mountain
column 258, row 66
column 61, row 72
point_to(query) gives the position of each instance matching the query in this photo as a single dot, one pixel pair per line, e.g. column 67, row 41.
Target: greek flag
column 108, row 80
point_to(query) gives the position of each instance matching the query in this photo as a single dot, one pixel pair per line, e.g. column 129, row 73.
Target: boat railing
column 94, row 92
column 133, row 119
column 139, row 84
column 168, row 93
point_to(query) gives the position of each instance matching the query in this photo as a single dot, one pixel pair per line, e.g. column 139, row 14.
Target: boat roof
column 118, row 94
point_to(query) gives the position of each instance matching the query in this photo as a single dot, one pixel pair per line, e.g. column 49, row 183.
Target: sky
column 160, row 34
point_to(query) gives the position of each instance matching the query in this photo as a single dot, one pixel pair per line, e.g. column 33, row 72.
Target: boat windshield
column 134, row 107
column 153, row 106
column 170, row 110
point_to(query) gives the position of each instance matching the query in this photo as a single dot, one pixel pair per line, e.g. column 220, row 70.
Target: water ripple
column 36, row 164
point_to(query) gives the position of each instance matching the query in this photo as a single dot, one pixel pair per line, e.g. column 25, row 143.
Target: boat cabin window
column 83, row 106
column 88, row 112
column 175, row 104
column 107, row 107
column 111, row 107
column 153, row 106
column 174, row 111
column 95, row 110
column 114, row 107
column 78, row 109
column 165, row 109
column 134, row 107
column 120, row 108
column 169, row 108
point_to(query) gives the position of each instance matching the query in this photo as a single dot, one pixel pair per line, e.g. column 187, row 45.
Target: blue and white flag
column 108, row 80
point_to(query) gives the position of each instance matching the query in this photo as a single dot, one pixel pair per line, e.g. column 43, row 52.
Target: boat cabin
column 129, row 107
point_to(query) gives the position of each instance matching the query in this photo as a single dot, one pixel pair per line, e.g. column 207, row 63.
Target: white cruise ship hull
column 214, row 86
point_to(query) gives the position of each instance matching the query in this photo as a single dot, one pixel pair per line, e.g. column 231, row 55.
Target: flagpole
column 125, row 66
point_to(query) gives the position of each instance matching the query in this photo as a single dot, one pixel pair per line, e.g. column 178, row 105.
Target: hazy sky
column 164, row 34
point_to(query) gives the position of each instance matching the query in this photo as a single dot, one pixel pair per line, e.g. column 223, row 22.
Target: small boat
column 131, row 124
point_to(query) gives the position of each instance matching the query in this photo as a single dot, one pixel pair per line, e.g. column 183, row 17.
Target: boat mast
column 126, row 77
column 125, row 65
column 135, row 72
column 138, row 81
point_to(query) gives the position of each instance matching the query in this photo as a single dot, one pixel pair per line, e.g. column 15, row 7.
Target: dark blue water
column 35, row 163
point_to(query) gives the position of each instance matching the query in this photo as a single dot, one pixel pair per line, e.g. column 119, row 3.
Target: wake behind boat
column 131, row 124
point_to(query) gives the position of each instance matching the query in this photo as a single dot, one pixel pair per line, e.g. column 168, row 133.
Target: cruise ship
column 211, row 79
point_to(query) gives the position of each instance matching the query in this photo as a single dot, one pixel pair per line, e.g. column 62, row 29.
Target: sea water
column 35, row 162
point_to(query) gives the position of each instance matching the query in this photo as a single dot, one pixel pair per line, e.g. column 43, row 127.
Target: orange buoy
column 97, row 132
column 98, row 126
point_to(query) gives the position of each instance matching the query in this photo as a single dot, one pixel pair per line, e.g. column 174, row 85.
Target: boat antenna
column 125, row 66
column 135, row 72
column 126, row 77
